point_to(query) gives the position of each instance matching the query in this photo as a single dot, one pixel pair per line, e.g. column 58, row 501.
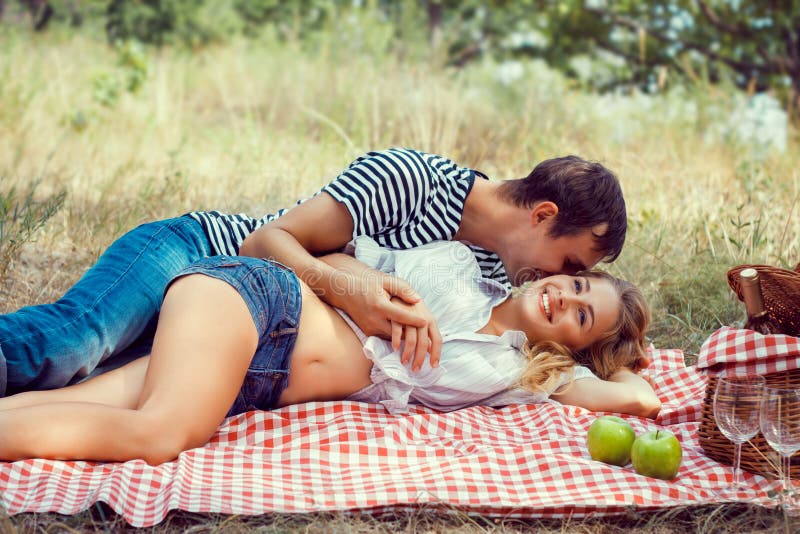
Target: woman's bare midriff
column 328, row 361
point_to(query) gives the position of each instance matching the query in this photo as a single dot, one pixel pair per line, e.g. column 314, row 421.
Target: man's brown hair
column 587, row 194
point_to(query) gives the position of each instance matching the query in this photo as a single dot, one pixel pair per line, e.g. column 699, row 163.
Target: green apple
column 657, row 454
column 609, row 440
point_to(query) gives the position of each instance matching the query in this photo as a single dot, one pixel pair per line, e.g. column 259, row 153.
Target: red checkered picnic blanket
column 519, row 461
column 747, row 352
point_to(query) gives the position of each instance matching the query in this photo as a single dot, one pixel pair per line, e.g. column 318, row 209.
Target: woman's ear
column 543, row 211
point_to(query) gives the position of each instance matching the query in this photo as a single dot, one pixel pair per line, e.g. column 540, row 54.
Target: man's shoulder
column 407, row 155
column 406, row 171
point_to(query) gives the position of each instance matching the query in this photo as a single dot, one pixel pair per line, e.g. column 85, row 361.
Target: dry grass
column 252, row 125
column 705, row 519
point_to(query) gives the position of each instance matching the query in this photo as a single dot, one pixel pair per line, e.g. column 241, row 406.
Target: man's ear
column 543, row 211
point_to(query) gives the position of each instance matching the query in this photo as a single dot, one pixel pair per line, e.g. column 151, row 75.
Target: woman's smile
column 545, row 300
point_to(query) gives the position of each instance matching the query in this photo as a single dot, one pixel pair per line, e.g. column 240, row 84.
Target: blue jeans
column 112, row 306
column 272, row 295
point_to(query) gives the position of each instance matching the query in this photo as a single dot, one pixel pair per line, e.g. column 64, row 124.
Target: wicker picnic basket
column 781, row 294
column 781, row 291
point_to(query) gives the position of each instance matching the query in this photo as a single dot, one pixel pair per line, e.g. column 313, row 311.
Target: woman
column 239, row 333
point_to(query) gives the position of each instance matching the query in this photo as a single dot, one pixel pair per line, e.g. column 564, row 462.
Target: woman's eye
column 578, row 285
column 582, row 317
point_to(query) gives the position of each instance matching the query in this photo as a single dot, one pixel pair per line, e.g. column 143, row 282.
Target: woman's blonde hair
column 622, row 346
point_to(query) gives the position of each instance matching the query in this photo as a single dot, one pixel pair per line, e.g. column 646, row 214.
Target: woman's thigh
column 203, row 345
column 120, row 388
column 272, row 295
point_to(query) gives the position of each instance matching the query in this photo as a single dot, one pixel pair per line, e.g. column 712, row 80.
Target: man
column 568, row 214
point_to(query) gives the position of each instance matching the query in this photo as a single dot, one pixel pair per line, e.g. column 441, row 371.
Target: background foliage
column 754, row 45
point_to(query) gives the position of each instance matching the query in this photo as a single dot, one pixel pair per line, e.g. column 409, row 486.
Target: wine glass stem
column 736, row 463
column 785, row 493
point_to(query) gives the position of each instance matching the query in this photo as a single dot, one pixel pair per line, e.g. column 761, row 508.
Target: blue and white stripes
column 399, row 197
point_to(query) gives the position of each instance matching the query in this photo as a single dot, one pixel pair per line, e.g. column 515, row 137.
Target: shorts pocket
column 252, row 388
column 275, row 382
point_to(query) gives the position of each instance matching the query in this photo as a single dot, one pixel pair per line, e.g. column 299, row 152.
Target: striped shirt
column 474, row 368
column 401, row 198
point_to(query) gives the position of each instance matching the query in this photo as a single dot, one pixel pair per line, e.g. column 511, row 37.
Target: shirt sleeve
column 578, row 372
column 383, row 190
column 583, row 372
column 520, row 395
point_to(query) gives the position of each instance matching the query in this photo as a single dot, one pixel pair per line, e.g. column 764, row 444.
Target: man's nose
column 569, row 268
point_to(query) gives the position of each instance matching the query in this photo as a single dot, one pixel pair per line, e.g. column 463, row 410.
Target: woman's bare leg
column 121, row 387
column 202, row 349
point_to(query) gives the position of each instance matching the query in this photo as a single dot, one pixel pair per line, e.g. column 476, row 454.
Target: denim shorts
column 272, row 294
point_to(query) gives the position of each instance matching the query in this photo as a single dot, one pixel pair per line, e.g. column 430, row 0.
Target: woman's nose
column 565, row 299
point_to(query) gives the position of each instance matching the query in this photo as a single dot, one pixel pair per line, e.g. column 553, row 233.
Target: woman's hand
column 418, row 340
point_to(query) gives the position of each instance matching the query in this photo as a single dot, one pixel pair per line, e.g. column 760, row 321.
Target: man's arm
column 322, row 225
column 624, row 392
column 317, row 226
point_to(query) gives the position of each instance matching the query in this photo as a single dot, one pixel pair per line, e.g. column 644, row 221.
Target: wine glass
column 737, row 402
column 780, row 426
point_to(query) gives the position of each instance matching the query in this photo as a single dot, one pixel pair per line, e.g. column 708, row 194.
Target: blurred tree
column 471, row 28
column 293, row 19
column 156, row 22
column 757, row 41
column 603, row 43
column 39, row 10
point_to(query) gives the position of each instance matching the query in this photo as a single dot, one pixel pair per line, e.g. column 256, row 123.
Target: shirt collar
column 515, row 338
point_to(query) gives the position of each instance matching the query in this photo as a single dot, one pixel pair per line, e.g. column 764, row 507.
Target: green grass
column 251, row 125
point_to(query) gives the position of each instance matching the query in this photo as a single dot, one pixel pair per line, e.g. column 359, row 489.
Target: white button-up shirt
column 474, row 368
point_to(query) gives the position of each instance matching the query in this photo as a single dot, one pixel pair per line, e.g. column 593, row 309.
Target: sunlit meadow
column 249, row 126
